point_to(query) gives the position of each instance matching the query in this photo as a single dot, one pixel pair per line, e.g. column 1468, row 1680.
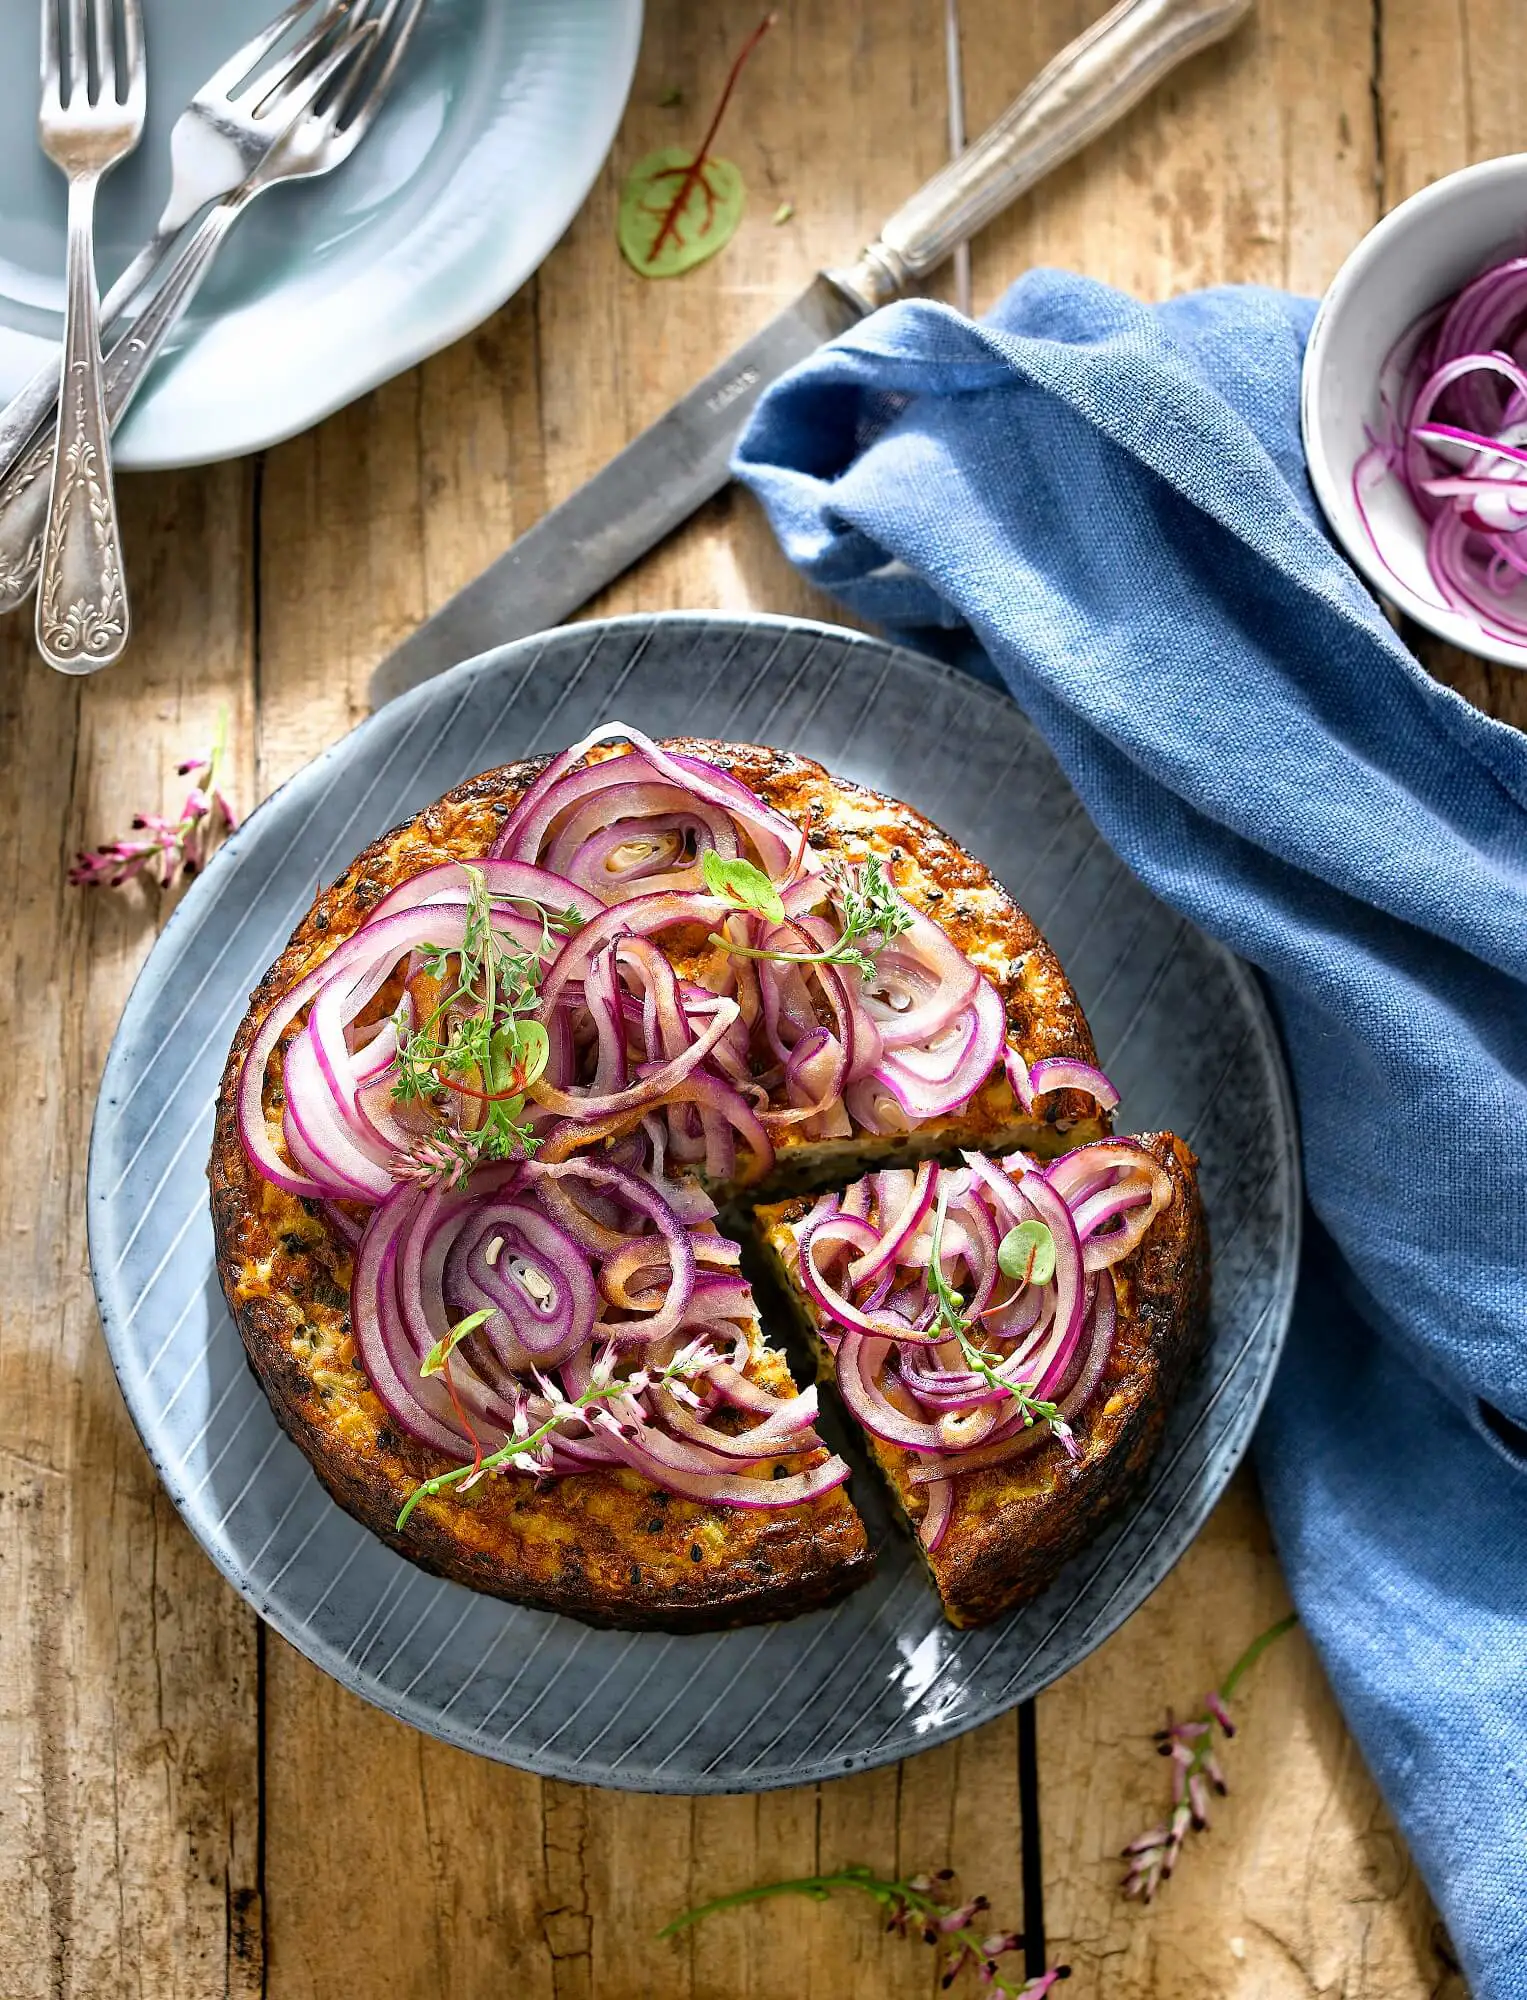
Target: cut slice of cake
column 1010, row 1338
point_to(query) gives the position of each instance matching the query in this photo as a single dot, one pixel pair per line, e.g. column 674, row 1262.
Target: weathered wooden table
column 186, row 1806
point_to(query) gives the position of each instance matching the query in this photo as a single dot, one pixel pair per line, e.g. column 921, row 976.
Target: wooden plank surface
column 187, row 1807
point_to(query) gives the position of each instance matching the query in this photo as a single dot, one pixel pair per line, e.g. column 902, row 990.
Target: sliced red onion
column 1087, row 1181
column 917, row 1203
column 934, row 1525
column 654, row 1456
column 951, row 1086
column 773, row 837
column 646, row 1201
column 784, row 1432
column 1031, row 1082
column 537, row 1282
column 420, row 1407
column 860, row 1362
column 1454, row 397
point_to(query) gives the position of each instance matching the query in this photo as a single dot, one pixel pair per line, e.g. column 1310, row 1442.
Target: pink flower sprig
column 922, row 1905
column 170, row 847
column 1195, row 1770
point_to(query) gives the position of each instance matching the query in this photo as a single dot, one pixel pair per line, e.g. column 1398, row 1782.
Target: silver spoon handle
column 24, row 488
column 82, row 615
column 1089, row 86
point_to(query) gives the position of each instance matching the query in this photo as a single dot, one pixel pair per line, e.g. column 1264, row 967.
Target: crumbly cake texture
column 605, row 1545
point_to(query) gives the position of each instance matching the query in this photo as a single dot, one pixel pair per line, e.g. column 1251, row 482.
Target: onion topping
column 953, row 1338
column 1453, row 433
column 489, row 1328
column 510, row 1085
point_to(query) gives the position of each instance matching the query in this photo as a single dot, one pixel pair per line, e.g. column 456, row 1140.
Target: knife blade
column 617, row 516
column 682, row 460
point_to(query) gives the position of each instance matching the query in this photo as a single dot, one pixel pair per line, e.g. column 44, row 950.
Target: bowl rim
column 1328, row 485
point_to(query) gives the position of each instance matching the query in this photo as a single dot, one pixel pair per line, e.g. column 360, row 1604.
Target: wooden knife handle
column 1088, row 87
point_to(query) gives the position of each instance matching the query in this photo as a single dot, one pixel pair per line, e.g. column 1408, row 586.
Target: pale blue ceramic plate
column 493, row 135
column 1180, row 1026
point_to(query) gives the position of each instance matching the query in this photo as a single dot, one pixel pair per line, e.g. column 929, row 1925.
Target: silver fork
column 82, row 616
column 359, row 61
column 215, row 142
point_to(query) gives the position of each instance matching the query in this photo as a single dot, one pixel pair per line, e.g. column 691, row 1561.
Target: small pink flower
column 1037, row 1988
column 179, row 846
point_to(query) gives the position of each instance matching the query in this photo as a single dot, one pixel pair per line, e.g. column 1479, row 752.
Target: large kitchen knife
column 659, row 480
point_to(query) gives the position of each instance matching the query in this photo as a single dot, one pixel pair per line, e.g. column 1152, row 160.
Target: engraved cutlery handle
column 82, row 616
column 24, row 490
column 1088, row 87
column 35, row 402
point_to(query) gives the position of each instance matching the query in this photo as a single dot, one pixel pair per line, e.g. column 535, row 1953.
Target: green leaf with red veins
column 745, row 884
column 675, row 211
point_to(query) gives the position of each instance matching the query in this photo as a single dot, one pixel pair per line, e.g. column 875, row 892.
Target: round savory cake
column 608, row 1543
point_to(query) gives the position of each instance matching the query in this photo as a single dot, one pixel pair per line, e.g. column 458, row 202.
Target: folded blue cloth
column 1103, row 507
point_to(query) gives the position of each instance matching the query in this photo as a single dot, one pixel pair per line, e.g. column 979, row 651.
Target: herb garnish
column 922, row 1904
column 1190, row 1745
column 174, row 846
column 744, row 882
column 438, row 1360
column 519, row 1446
column 1027, row 1254
column 480, row 1039
column 872, row 914
column 679, row 207
column 949, row 1313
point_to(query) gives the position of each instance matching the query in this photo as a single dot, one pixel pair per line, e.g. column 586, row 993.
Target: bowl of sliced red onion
column 1414, row 408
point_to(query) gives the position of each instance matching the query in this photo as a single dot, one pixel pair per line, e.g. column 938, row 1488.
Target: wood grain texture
column 129, row 1776
column 187, row 1807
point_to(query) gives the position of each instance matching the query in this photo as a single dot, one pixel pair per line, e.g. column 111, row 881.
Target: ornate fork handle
column 82, row 615
column 24, row 490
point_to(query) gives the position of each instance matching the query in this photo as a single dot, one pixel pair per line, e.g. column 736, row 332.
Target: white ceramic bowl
column 1420, row 254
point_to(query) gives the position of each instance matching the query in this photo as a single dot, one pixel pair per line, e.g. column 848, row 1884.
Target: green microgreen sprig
column 435, row 1362
column 871, row 911
column 949, row 1314
column 920, row 1904
column 480, row 1038
column 1027, row 1254
column 606, row 1387
column 744, row 882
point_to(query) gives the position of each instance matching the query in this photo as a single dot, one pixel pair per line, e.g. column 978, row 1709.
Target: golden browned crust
column 602, row 1546
column 1015, row 1525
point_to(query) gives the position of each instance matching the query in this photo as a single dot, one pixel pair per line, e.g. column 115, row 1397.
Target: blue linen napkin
column 1103, row 507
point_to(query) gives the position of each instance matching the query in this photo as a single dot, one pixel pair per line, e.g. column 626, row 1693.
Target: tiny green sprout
column 743, row 882
column 872, row 915
column 1027, row 1254
column 783, row 213
column 480, row 1040
column 948, row 1304
column 434, row 1362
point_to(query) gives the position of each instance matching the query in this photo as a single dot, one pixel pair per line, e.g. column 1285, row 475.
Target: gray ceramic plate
column 1181, row 1028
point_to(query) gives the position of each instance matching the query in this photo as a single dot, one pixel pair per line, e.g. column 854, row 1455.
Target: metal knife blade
column 659, row 480
column 618, row 515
